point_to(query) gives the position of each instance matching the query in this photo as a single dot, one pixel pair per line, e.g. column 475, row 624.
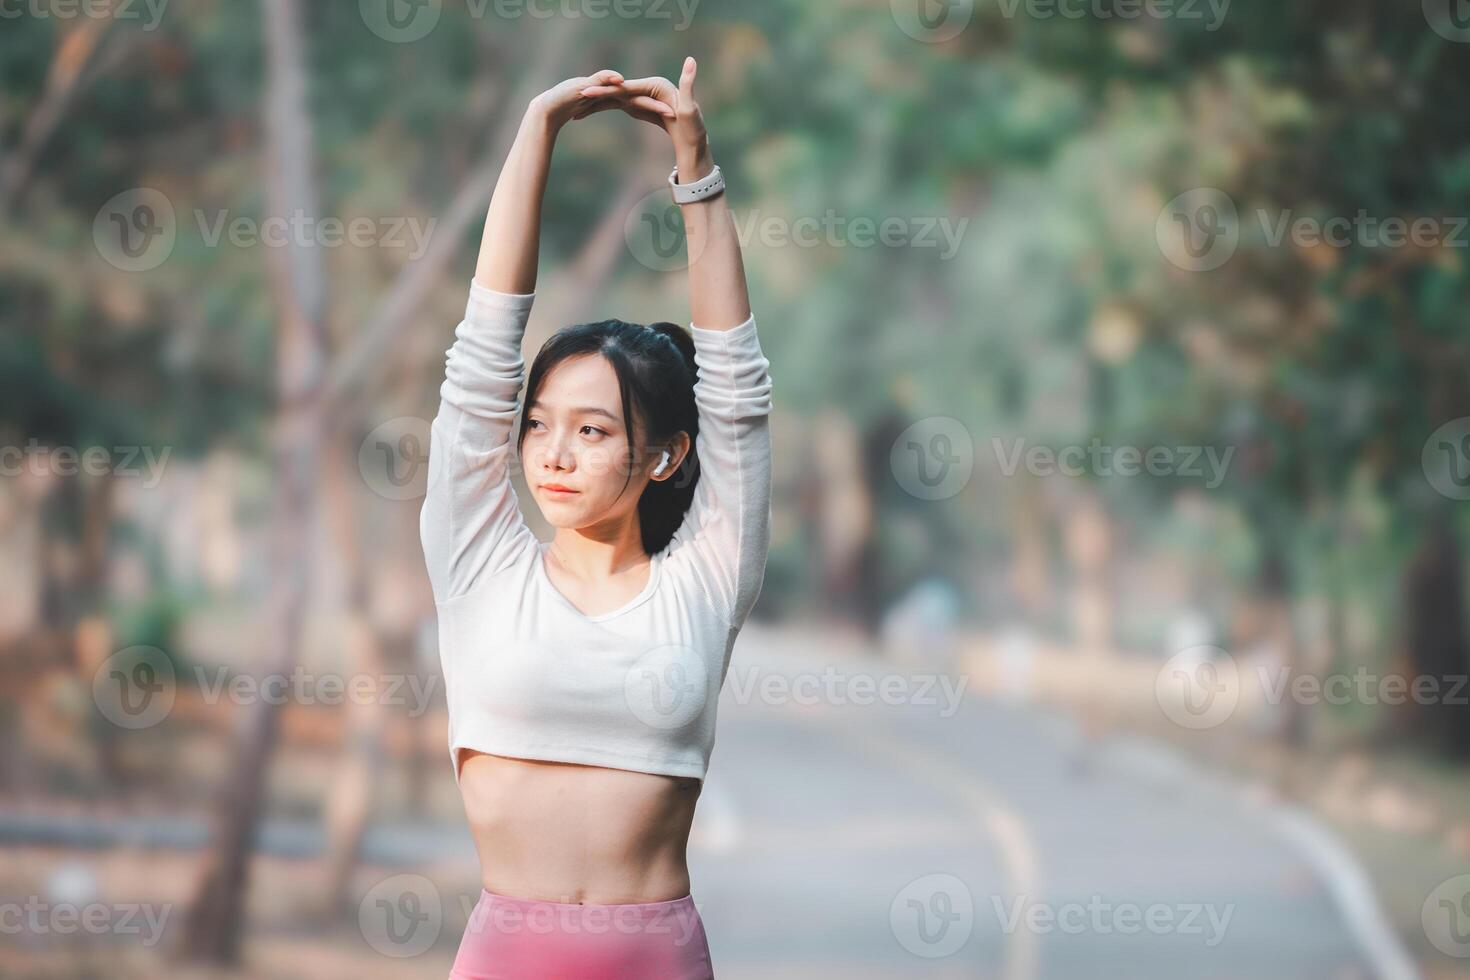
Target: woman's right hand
column 577, row 98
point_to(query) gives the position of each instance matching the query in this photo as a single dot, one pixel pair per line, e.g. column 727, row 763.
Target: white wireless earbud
column 662, row 463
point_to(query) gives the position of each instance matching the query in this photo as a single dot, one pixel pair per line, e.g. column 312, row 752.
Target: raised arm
column 512, row 238
column 471, row 524
column 718, row 299
column 724, row 539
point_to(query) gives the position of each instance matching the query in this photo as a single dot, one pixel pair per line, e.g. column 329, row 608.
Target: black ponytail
column 663, row 505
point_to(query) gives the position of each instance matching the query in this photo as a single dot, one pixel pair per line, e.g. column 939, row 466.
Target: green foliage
column 1058, row 139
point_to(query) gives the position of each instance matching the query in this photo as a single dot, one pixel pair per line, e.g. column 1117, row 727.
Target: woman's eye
column 533, row 422
column 593, row 430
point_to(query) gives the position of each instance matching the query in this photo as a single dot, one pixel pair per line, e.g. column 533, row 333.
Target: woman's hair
column 655, row 368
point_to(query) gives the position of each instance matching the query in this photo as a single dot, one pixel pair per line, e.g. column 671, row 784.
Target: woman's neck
column 593, row 553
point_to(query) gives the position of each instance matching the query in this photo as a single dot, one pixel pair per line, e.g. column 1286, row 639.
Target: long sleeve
column 726, row 535
column 471, row 524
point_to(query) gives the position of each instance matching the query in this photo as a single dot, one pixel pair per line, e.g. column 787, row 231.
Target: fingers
column 607, row 96
column 643, row 114
column 653, row 98
column 654, row 86
column 596, row 105
column 653, row 106
column 686, row 80
column 605, row 77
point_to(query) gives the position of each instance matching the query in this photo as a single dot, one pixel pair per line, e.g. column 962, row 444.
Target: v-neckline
column 654, row 563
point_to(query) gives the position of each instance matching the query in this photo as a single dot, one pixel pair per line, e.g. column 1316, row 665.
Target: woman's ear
column 678, row 448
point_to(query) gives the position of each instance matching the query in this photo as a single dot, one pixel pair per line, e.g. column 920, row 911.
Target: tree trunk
column 1275, row 588
column 1435, row 635
column 216, row 916
column 349, row 801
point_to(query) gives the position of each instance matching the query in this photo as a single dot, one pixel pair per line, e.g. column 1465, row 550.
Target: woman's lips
column 558, row 491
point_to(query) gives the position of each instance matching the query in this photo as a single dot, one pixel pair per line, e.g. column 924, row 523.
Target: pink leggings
column 528, row 939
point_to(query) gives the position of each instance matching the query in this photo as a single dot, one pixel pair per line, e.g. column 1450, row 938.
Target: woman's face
column 575, row 438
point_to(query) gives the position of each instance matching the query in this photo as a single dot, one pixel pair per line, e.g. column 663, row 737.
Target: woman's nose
column 557, row 455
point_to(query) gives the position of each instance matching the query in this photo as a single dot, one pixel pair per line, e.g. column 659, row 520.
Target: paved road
column 884, row 840
column 906, row 840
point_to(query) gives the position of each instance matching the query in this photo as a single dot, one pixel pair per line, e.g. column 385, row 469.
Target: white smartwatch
column 706, row 187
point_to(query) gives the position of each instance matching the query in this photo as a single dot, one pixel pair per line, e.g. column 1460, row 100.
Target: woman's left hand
column 659, row 101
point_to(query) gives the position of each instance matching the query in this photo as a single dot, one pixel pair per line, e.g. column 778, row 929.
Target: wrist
column 693, row 162
column 539, row 116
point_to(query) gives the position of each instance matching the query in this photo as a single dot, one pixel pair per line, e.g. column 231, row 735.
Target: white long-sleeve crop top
column 526, row 673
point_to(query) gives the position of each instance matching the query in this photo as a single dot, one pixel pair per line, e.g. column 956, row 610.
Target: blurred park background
column 1115, row 617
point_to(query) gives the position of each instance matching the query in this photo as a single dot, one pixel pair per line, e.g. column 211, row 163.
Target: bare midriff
column 565, row 832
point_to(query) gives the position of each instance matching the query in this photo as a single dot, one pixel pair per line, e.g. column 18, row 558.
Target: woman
column 583, row 673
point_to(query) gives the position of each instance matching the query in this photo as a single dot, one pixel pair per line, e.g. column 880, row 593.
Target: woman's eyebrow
column 585, row 410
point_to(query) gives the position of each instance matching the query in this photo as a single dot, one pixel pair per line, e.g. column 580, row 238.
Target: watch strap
column 708, row 186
